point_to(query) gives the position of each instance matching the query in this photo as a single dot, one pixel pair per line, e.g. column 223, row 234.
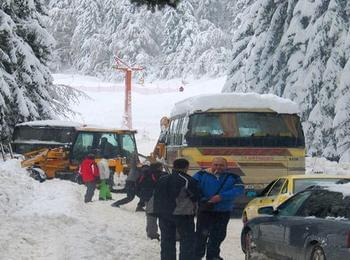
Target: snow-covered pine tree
column 295, row 49
column 136, row 40
column 26, row 88
column 92, row 51
column 152, row 4
column 181, row 30
column 341, row 121
column 88, row 40
column 61, row 21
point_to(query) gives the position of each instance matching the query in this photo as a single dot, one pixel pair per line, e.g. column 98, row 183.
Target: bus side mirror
column 164, row 123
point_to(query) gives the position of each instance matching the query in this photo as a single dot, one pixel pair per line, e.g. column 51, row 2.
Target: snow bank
column 235, row 101
column 30, row 197
column 49, row 220
column 315, row 165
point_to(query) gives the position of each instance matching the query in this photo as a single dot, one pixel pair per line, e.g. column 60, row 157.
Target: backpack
column 145, row 184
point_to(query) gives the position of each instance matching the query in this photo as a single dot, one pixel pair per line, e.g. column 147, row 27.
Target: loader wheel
column 37, row 174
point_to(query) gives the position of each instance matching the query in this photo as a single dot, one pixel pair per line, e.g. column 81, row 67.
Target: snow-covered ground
column 50, row 221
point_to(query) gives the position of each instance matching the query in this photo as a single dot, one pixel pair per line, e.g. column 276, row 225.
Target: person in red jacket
column 89, row 172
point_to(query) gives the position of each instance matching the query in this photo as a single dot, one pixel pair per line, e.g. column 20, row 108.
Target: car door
column 273, row 232
column 283, row 195
column 271, row 197
column 309, row 222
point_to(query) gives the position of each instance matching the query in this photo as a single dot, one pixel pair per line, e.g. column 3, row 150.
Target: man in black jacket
column 175, row 203
column 145, row 186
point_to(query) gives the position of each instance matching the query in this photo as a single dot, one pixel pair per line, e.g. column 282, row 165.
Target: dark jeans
column 185, row 227
column 210, row 232
column 130, row 191
column 90, row 190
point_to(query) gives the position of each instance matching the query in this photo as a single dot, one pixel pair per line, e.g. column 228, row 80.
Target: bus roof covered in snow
column 235, row 102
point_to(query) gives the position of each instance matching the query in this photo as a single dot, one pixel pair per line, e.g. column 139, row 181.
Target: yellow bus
column 260, row 136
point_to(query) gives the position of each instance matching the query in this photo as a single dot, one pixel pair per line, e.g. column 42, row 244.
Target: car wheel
column 249, row 245
column 244, row 217
column 317, row 253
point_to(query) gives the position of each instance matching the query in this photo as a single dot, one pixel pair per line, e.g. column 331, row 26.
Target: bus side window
column 184, row 130
column 178, row 133
column 173, row 131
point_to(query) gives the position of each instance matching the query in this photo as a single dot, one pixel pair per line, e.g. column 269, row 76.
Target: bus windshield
column 244, row 129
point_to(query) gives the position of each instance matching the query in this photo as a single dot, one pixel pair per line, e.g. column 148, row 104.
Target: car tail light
column 348, row 240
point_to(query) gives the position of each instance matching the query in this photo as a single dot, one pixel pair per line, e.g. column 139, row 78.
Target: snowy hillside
column 299, row 49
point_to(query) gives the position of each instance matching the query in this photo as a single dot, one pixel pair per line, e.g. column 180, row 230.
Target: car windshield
column 317, row 203
column 292, row 205
column 326, row 204
column 302, row 184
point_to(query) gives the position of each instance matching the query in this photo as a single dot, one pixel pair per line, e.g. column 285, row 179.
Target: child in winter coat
column 89, row 173
column 105, row 193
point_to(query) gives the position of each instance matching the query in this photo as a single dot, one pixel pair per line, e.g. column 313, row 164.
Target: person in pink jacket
column 89, row 172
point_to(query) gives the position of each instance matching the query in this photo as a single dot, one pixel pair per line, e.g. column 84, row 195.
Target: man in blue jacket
column 218, row 188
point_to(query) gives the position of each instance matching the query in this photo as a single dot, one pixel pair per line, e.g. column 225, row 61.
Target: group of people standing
column 209, row 195
column 175, row 200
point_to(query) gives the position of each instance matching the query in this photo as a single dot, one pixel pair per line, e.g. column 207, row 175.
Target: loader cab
column 35, row 135
column 104, row 143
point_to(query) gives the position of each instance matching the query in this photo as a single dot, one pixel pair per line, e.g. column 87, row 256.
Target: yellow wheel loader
column 117, row 146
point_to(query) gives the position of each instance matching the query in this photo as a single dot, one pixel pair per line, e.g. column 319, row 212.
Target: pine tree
column 61, row 22
column 26, row 89
column 152, row 4
column 180, row 33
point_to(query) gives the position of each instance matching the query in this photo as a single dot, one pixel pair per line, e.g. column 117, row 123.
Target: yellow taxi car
column 284, row 187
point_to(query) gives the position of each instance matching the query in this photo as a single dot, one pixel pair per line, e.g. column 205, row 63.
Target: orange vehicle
column 259, row 135
column 116, row 145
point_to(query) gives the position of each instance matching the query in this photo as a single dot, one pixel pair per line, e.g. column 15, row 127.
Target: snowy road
column 50, row 221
